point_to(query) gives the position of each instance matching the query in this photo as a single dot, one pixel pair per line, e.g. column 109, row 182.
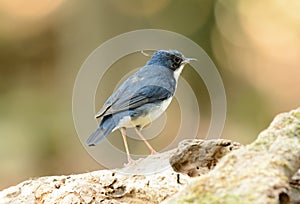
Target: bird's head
column 169, row 58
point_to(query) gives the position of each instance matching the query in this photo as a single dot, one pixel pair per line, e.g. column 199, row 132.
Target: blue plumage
column 142, row 98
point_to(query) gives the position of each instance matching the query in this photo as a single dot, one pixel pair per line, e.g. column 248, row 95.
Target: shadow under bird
column 142, row 98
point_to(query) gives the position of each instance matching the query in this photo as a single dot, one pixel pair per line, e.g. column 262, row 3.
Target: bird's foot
column 131, row 162
column 153, row 152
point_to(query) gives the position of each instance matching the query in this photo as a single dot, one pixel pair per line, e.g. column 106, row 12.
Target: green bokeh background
column 254, row 44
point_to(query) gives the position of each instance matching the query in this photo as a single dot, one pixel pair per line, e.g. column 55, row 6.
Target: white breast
column 154, row 113
column 177, row 72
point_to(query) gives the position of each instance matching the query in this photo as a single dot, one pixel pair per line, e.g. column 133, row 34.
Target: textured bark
column 225, row 171
column 104, row 186
column 257, row 173
column 131, row 184
column 197, row 157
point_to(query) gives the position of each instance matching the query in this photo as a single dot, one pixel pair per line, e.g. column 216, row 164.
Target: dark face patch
column 175, row 62
column 167, row 58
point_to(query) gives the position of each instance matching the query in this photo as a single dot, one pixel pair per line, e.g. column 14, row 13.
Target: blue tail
column 105, row 128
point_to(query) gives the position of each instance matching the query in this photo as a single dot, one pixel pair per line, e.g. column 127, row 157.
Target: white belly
column 156, row 112
column 153, row 114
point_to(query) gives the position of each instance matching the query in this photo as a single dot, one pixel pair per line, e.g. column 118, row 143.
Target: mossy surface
column 257, row 173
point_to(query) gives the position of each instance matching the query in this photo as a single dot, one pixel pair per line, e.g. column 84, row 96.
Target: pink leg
column 144, row 139
column 123, row 132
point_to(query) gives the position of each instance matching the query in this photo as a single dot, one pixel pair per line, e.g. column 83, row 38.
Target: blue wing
column 138, row 90
column 147, row 94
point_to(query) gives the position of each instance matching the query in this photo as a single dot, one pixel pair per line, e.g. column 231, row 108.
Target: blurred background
column 254, row 44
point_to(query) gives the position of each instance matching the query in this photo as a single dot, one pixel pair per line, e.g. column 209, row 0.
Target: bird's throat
column 177, row 72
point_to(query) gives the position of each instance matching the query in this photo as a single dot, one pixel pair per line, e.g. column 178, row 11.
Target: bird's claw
column 131, row 162
column 153, row 152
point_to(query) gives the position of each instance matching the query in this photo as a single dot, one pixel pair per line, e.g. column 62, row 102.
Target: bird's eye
column 177, row 60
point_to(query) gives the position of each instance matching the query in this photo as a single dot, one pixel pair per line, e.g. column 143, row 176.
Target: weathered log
column 257, row 173
column 226, row 172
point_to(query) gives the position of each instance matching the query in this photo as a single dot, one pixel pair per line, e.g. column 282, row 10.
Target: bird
column 141, row 99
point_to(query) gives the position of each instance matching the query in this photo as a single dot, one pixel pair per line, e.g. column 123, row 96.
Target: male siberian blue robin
column 142, row 98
